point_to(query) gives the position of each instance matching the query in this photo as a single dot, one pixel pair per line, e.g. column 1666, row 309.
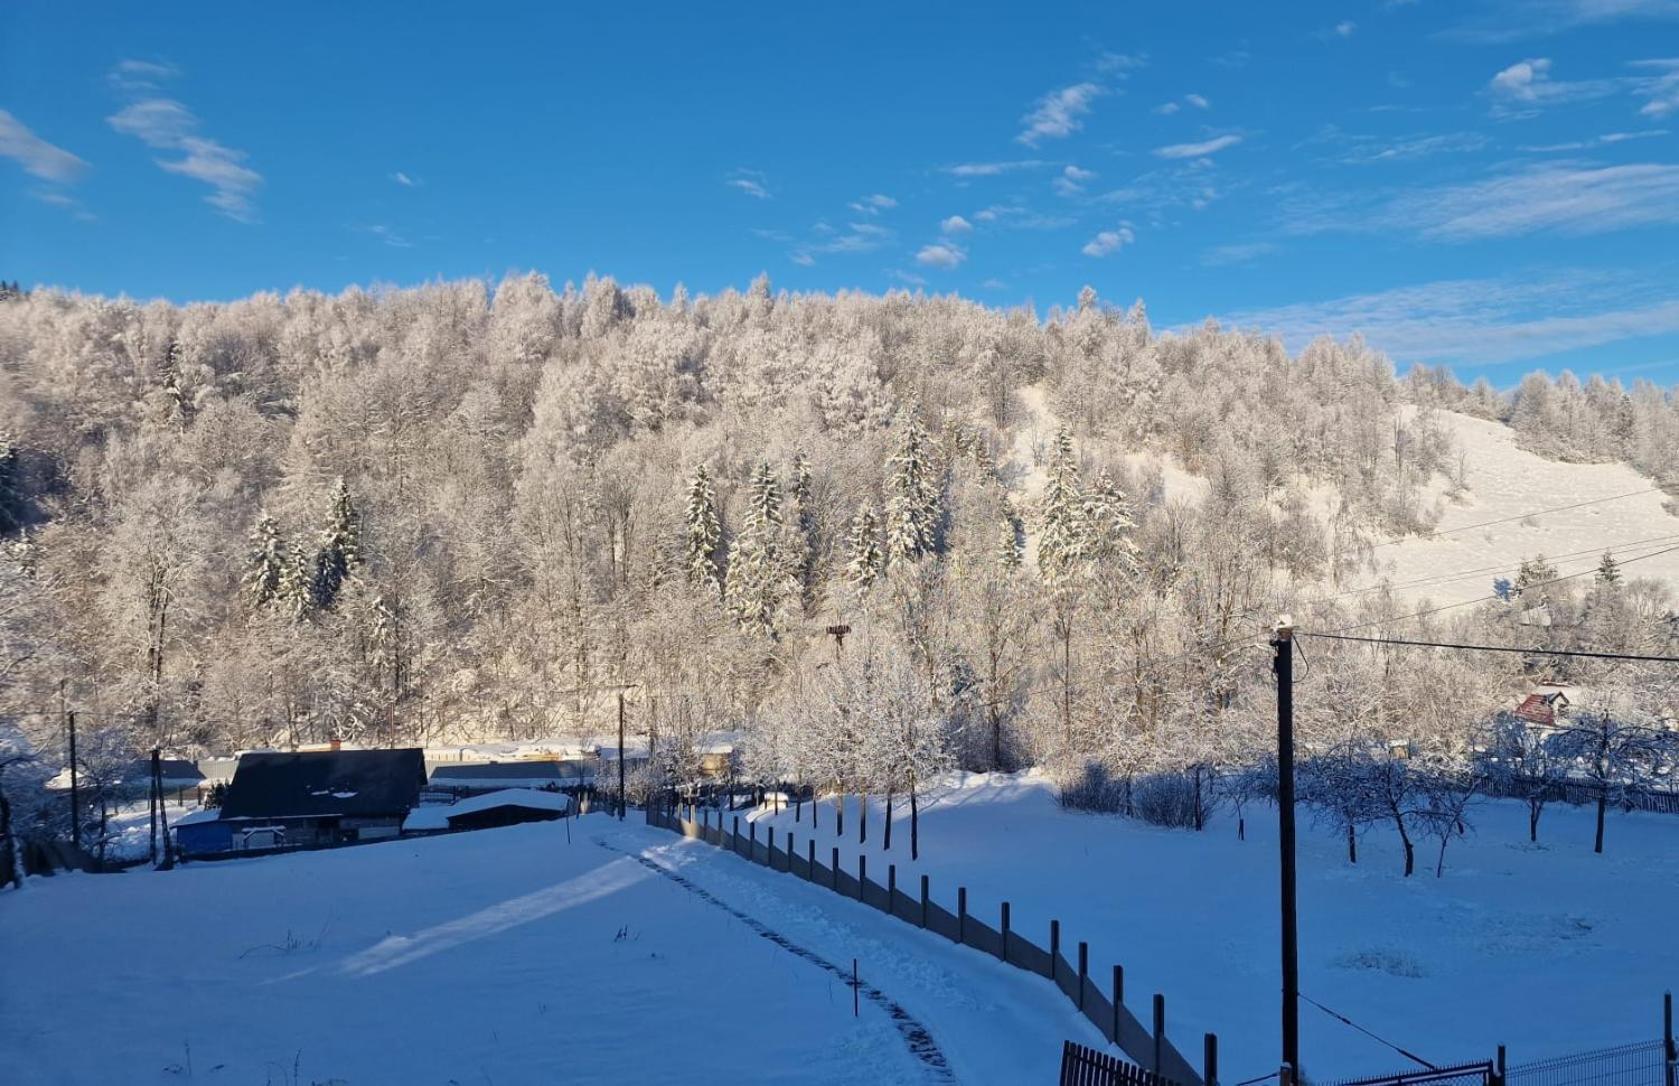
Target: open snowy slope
column 1506, row 482
column 504, row 956
column 1546, row 948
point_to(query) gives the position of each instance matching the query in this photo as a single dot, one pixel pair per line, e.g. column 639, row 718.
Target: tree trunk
column 11, row 841
column 914, row 825
column 1533, row 809
column 1602, row 808
column 1440, row 864
column 1352, row 843
column 1405, row 839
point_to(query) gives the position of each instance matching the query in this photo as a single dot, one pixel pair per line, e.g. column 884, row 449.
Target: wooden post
column 792, row 850
column 811, row 844
column 772, row 848
column 925, row 894
column 734, row 836
column 862, row 877
column 961, row 914
column 75, row 780
column 1159, row 1028
column 1499, row 1065
column 1672, row 1052
column 891, row 887
column 1054, row 947
column 833, row 872
column 1209, row 1060
column 152, row 797
column 1283, row 665
column 856, row 990
column 1119, row 998
column 1285, row 1075
column 1005, row 954
column 839, row 815
column 1084, row 970
column 863, row 819
column 623, row 795
column 163, row 815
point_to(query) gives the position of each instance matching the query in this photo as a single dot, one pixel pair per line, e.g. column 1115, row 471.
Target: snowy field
column 1549, row 949
column 498, row 957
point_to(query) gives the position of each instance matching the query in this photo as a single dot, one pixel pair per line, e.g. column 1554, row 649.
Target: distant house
column 473, row 779
column 180, row 779
column 506, row 807
column 1543, row 708
column 310, row 799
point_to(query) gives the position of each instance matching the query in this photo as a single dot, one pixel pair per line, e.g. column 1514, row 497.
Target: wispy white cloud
column 1072, row 180
column 873, row 205
column 956, row 224
column 993, row 284
column 941, row 254
column 1476, row 320
column 993, row 169
column 1019, row 217
column 1198, row 101
column 1607, row 139
column 388, row 235
column 1408, row 148
column 1241, row 253
column 1166, row 109
column 1120, row 65
column 131, row 77
column 36, row 155
column 1109, row 241
column 1568, row 198
column 857, row 237
column 1662, row 89
column 404, row 180
column 911, row 278
column 751, row 182
column 1198, row 150
column 1344, row 29
column 1511, row 20
column 1058, row 114
column 164, row 124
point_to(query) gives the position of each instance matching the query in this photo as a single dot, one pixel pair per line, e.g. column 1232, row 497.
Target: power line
column 1444, row 578
column 1494, row 648
column 1486, row 599
column 1518, row 516
column 1343, row 1018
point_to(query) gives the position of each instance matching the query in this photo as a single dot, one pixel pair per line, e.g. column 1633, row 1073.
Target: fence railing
column 1085, row 1066
column 1583, row 793
column 1105, row 1009
column 1647, row 1063
column 1463, row 1074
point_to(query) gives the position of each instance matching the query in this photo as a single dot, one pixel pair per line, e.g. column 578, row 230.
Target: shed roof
column 325, row 783
column 531, row 770
column 439, row 817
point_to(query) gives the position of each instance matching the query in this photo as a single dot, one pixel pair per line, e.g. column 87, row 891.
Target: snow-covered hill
column 1506, row 482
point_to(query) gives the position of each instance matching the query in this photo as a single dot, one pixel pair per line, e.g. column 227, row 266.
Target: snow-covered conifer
column 704, row 535
column 912, row 508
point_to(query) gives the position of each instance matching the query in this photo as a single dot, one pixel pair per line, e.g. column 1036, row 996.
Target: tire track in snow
column 916, row 1036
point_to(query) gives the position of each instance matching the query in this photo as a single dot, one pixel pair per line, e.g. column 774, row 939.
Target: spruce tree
column 1107, row 518
column 912, row 506
column 340, row 548
column 1608, row 570
column 296, row 591
column 267, row 563
column 759, row 581
column 704, row 535
column 804, row 519
column 1008, row 545
column 866, row 563
column 1064, row 543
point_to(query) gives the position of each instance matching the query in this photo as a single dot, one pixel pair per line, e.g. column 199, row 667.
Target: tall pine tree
column 866, row 562
column 912, row 505
column 267, row 563
column 704, row 534
column 1064, row 543
column 340, row 548
column 760, row 581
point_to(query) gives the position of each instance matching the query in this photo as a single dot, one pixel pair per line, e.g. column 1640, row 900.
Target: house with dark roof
column 468, row 779
column 314, row 799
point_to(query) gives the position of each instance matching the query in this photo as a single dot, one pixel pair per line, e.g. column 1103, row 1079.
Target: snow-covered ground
column 504, row 956
column 1505, row 481
column 1549, row 949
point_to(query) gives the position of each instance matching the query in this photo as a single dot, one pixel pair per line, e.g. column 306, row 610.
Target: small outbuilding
column 475, row 778
column 507, row 807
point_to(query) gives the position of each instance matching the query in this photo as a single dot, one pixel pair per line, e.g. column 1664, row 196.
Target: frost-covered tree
column 266, row 563
column 704, row 536
column 913, row 494
column 340, row 548
column 866, row 562
column 1064, row 539
column 760, row 581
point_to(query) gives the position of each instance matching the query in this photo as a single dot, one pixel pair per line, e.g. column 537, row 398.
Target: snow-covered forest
column 469, row 512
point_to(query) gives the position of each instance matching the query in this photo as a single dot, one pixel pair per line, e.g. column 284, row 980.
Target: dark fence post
column 892, row 888
column 734, row 836
column 1670, row 1051
column 1159, row 1028
column 1209, row 1060
column 833, row 872
column 752, row 838
column 771, row 852
column 811, row 844
column 961, row 914
column 1500, row 1065
column 1084, row 970
column 925, row 894
column 863, row 819
column 1005, row 954
column 791, row 849
column 1054, row 945
column 1119, row 998
column 862, row 876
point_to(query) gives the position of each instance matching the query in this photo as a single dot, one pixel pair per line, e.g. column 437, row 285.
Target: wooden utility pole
column 621, row 756
column 162, row 811
column 152, row 795
column 75, row 784
column 1283, row 665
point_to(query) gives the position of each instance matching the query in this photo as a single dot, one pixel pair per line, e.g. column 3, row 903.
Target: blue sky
column 1489, row 184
